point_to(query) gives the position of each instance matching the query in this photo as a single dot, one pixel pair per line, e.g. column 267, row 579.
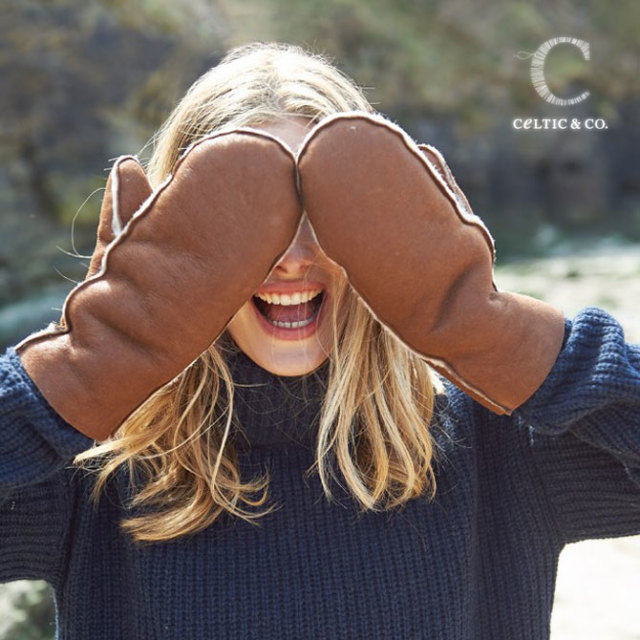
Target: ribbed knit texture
column 477, row 563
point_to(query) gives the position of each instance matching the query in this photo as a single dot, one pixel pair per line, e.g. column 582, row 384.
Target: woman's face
column 286, row 327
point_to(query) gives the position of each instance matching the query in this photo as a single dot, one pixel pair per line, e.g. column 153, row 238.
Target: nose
column 302, row 252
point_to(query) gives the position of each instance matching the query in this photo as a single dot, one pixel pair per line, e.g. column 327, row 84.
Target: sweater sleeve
column 35, row 492
column 584, row 430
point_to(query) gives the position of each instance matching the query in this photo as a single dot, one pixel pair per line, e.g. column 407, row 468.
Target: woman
column 228, row 344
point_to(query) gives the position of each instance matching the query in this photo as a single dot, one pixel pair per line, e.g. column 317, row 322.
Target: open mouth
column 289, row 311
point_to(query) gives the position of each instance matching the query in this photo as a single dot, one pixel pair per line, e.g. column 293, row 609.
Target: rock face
column 577, row 180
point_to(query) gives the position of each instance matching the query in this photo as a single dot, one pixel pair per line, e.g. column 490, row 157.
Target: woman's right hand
column 170, row 270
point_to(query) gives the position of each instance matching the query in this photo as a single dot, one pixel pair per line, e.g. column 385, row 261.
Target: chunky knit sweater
column 478, row 562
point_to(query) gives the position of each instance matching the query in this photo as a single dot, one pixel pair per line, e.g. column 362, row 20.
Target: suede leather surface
column 421, row 260
column 172, row 279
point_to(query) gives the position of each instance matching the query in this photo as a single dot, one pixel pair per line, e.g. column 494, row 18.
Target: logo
column 537, row 72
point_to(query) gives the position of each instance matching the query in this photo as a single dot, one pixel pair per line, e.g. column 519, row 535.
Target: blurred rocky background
column 84, row 81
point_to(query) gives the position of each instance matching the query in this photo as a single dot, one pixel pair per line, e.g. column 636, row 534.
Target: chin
column 289, row 364
column 282, row 352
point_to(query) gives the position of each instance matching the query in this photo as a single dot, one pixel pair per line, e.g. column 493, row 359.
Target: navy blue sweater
column 479, row 562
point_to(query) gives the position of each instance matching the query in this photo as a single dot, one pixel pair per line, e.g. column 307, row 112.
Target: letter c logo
column 537, row 70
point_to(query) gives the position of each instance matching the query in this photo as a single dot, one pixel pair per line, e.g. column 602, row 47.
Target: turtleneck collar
column 275, row 410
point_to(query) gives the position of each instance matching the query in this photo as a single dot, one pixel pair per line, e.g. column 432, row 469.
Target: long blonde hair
column 378, row 391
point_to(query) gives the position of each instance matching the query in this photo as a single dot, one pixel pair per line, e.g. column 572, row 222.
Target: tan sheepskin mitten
column 393, row 217
column 170, row 270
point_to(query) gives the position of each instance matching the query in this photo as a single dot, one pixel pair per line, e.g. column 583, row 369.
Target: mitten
column 421, row 260
column 183, row 259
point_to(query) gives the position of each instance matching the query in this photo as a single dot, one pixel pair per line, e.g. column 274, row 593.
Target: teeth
column 292, row 325
column 288, row 299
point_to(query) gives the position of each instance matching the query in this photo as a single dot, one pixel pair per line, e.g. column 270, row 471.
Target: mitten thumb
column 438, row 161
column 127, row 188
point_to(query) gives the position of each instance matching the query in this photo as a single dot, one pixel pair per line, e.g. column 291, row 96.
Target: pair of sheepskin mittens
column 173, row 265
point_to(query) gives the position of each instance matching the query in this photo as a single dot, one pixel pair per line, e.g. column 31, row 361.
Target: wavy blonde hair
column 380, row 395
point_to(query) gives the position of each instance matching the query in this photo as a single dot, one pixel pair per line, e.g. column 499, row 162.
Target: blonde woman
column 288, row 400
